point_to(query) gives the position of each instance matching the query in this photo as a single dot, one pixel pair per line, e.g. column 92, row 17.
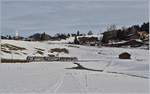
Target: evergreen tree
column 78, row 33
column 145, row 27
column 90, row 33
column 9, row 37
column 43, row 35
column 76, row 40
column 68, row 35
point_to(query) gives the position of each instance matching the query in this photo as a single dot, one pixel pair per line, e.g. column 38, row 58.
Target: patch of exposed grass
column 17, row 53
column 39, row 52
column 24, row 53
column 59, row 50
column 74, row 46
column 5, row 51
column 40, row 49
column 11, row 47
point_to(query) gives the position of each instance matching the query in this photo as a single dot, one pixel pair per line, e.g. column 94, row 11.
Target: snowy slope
column 54, row 78
column 119, row 76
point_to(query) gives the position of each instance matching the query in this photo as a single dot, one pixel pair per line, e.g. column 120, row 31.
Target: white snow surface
column 118, row 76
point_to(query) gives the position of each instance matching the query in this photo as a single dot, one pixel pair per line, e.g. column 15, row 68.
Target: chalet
column 143, row 35
column 91, row 41
column 132, row 35
column 109, row 35
column 118, row 35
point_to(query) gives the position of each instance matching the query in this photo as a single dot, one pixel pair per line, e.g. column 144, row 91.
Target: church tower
column 17, row 35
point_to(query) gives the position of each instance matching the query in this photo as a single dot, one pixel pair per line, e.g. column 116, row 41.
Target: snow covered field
column 118, row 76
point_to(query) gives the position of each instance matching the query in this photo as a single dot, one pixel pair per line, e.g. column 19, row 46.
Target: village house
column 143, row 35
column 90, row 41
column 109, row 36
column 118, row 35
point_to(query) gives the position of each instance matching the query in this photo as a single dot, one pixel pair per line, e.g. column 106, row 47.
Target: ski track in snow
column 82, row 88
column 58, row 84
column 54, row 88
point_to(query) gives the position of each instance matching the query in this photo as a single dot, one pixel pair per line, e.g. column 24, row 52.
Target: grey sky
column 67, row 16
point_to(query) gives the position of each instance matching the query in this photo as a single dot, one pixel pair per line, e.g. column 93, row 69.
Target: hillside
column 128, row 76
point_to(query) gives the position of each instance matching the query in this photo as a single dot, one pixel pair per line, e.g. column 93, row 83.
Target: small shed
column 125, row 55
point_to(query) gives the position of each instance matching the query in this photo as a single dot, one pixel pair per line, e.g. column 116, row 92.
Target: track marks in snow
column 82, row 87
column 67, row 80
column 56, row 86
column 128, row 74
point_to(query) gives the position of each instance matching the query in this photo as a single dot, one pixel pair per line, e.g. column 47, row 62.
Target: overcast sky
column 68, row 16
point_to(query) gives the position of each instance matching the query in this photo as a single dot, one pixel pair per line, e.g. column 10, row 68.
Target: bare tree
column 124, row 28
column 111, row 27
